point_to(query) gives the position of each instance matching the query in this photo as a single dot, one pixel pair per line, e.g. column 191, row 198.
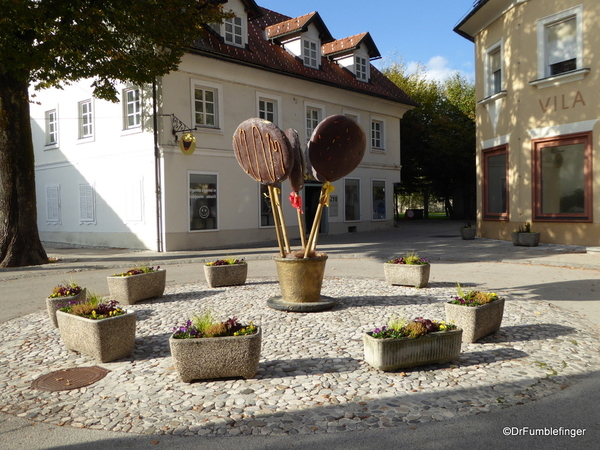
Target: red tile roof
column 264, row 54
column 351, row 43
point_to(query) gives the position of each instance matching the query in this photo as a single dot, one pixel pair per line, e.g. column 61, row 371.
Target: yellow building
column 538, row 147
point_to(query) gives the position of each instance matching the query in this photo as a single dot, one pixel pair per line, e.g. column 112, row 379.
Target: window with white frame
column 51, row 131
column 351, row 199
column 203, row 201
column 494, row 69
column 362, row 68
column 377, row 136
column 310, row 53
column 378, row 192
column 133, row 108
column 267, row 109
column 560, row 42
column 205, row 107
column 87, row 208
column 266, row 206
column 86, row 119
column 53, row 204
column 313, row 117
column 234, row 31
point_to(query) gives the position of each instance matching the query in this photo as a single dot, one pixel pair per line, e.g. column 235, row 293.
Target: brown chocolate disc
column 297, row 173
column 263, row 151
column 336, row 147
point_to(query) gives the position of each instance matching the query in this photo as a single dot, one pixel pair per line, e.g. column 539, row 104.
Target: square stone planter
column 228, row 275
column 128, row 290
column 476, row 321
column 217, row 357
column 104, row 340
column 416, row 275
column 526, row 239
column 53, row 304
column 392, row 354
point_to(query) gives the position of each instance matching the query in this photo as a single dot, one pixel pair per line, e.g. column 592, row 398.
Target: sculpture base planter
column 526, row 239
column 300, row 280
column 104, row 340
column 53, row 304
column 468, row 234
column 216, row 357
column 416, row 275
column 392, row 354
column 227, row 275
column 476, row 321
column 131, row 289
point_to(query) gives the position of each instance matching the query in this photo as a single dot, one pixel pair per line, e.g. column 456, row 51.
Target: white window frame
column 352, row 114
column 373, row 181
column 276, row 100
column 542, row 39
column 311, row 56
column 489, row 74
column 359, row 194
column 377, row 140
column 53, row 204
column 238, row 30
column 218, row 216
column 217, row 89
column 85, row 114
column 261, row 198
column 313, row 107
column 361, row 68
column 87, row 204
column 51, row 128
column 137, row 109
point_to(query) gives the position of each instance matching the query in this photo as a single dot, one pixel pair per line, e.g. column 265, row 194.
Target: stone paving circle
column 312, row 377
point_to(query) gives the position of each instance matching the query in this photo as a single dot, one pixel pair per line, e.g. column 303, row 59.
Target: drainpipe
column 157, row 172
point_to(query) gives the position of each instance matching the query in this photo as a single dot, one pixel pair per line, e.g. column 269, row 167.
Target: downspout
column 157, row 172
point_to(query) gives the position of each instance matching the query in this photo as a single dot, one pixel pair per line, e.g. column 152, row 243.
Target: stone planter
column 468, row 234
column 300, row 281
column 128, row 290
column 104, row 340
column 476, row 321
column 526, row 239
column 392, row 354
column 54, row 304
column 229, row 275
column 416, row 275
column 218, row 357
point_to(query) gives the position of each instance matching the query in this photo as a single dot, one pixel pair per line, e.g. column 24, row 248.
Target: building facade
column 538, row 136
column 113, row 174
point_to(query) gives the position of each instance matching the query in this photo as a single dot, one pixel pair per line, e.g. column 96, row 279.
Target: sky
column 413, row 31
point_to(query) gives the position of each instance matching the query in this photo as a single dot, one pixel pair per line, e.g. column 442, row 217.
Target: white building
column 113, row 174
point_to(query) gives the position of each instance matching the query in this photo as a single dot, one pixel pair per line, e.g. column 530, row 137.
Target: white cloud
column 437, row 69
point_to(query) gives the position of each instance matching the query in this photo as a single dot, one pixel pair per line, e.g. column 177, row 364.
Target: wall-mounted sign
column 187, row 144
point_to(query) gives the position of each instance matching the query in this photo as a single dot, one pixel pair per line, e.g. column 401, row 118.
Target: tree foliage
column 438, row 137
column 47, row 43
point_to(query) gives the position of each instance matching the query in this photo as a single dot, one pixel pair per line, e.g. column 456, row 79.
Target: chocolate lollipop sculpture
column 297, row 179
column 335, row 149
column 263, row 151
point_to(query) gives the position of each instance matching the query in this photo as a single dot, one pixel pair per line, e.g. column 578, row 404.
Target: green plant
column 472, row 298
column 525, row 228
column 205, row 325
column 411, row 258
column 69, row 289
column 399, row 327
column 467, row 224
column 94, row 308
column 226, row 262
column 138, row 270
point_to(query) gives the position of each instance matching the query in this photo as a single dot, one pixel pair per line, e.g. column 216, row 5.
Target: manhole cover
column 66, row 379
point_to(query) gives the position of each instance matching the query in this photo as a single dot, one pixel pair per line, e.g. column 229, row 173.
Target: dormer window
column 361, row 68
column 234, row 31
column 310, row 53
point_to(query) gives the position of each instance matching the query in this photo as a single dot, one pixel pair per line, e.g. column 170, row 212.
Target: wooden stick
column 301, row 227
column 315, row 227
column 276, row 219
column 286, row 239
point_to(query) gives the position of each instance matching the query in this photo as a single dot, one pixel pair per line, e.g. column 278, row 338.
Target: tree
column 46, row 43
column 438, row 137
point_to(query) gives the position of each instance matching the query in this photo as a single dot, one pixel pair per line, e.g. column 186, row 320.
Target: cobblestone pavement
column 312, row 378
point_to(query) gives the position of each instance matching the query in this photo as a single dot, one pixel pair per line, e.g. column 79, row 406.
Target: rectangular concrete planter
column 526, row 239
column 128, row 290
column 392, row 354
column 476, row 321
column 468, row 233
column 228, row 275
column 416, row 275
column 218, row 357
column 53, row 304
column 104, row 340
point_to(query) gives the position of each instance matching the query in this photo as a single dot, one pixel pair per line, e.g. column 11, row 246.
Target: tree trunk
column 19, row 239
